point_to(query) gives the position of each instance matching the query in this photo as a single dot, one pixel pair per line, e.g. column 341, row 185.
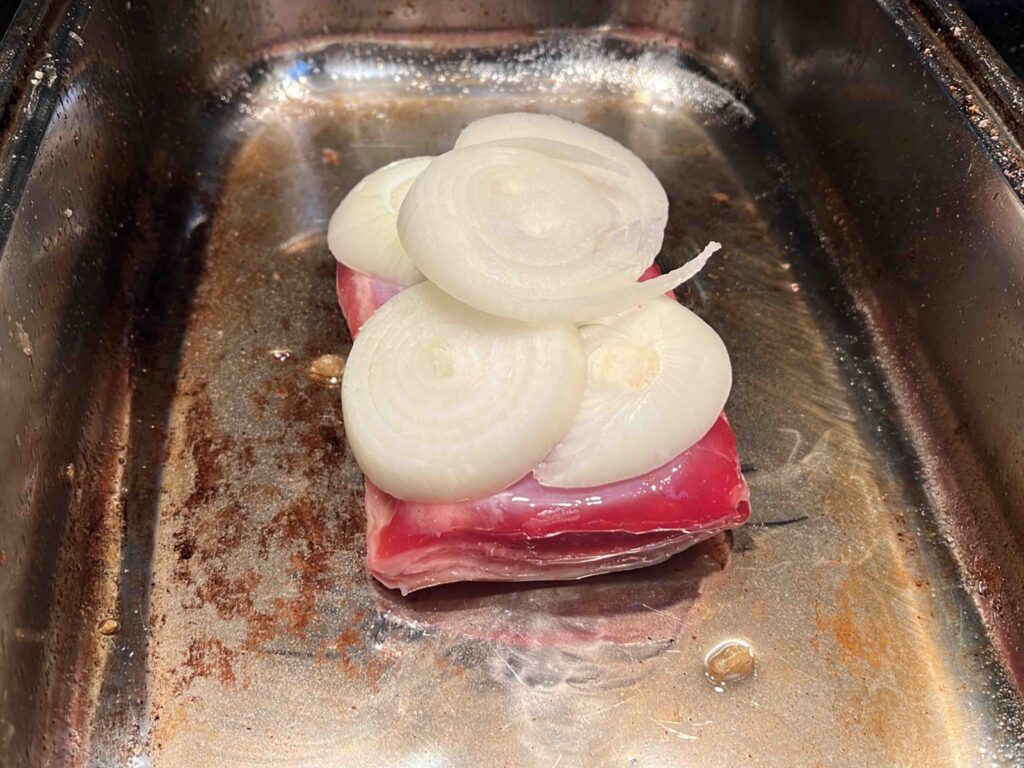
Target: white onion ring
column 538, row 233
column 443, row 403
column 642, row 183
column 362, row 233
column 657, row 380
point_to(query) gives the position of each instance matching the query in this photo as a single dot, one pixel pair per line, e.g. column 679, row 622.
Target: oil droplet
column 281, row 355
column 328, row 369
column 729, row 662
column 68, row 213
column 108, row 627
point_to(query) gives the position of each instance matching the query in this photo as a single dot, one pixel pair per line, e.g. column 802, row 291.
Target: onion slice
column 657, row 380
column 444, row 403
column 524, row 231
column 362, row 233
column 643, row 184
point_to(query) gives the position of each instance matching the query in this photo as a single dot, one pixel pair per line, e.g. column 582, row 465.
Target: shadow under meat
column 646, row 604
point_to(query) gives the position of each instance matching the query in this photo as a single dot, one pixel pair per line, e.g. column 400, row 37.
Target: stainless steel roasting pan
column 182, row 576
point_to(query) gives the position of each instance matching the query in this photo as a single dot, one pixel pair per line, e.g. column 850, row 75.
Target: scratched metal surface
column 182, row 542
column 267, row 641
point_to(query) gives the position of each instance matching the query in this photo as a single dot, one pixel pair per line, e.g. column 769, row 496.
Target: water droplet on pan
column 729, row 662
column 328, row 369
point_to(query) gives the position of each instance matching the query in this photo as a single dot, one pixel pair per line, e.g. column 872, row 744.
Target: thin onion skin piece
column 527, row 125
column 658, row 377
column 362, row 233
column 443, row 403
column 474, row 226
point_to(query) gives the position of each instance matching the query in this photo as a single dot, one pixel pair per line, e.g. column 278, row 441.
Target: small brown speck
column 108, row 627
column 329, row 156
column 721, row 197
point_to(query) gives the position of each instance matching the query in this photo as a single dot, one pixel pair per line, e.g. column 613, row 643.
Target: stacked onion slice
column 532, row 347
column 657, row 378
column 362, row 232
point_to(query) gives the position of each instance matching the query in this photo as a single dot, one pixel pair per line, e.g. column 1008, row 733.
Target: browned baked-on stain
column 207, row 658
column 261, row 401
column 356, row 659
column 207, row 450
column 859, row 639
column 349, row 638
column 231, row 596
column 210, row 536
column 249, row 455
column 309, row 530
column 223, row 531
column 228, row 553
column 184, row 546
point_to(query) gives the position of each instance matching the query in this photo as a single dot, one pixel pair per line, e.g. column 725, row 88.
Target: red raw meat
column 529, row 532
column 359, row 296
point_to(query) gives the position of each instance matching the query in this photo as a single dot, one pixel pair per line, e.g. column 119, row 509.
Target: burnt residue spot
column 268, row 520
column 312, row 533
column 356, row 659
column 184, row 547
column 325, row 444
column 210, row 535
column 249, row 456
column 207, row 450
column 308, row 404
column 231, row 595
column 226, row 530
column 261, row 401
column 207, row 658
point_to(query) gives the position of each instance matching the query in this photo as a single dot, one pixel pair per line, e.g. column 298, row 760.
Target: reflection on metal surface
column 281, row 355
column 213, row 512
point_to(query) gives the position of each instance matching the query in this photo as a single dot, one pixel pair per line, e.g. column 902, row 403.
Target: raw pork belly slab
column 529, row 532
